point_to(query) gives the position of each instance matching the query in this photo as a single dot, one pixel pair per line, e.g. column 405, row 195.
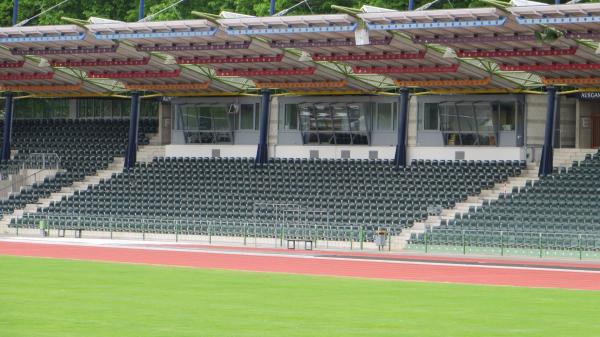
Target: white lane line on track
column 285, row 255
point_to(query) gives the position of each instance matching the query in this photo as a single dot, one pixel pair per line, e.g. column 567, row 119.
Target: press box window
column 386, row 116
column 288, row 120
column 430, row 117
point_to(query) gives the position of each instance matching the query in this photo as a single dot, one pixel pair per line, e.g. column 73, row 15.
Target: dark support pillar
column 272, row 8
column 262, row 152
column 141, row 11
column 400, row 157
column 134, row 121
column 8, row 117
column 15, row 12
column 547, row 151
column 411, row 5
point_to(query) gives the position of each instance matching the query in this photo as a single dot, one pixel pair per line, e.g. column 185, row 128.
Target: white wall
column 356, row 152
column 471, row 153
column 206, row 150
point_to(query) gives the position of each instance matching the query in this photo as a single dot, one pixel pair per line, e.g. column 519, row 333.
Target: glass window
column 247, row 121
column 486, row 123
column 220, row 118
column 289, row 117
column 204, row 123
column 384, row 116
column 506, row 116
column 38, row 108
column 337, row 123
column 469, row 123
column 256, row 116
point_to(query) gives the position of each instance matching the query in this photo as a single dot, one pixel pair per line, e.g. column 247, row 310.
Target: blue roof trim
column 438, row 24
column 565, row 19
column 154, row 35
column 61, row 37
column 287, row 30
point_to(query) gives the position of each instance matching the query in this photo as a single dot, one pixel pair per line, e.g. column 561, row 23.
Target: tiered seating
column 84, row 147
column 559, row 212
column 342, row 194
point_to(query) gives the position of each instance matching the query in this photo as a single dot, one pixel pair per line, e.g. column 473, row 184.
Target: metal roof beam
column 370, row 57
column 154, row 35
column 550, row 67
column 135, row 74
column 444, row 83
column 437, row 24
column 326, row 43
column 229, row 59
column 517, row 53
column 266, row 72
column 292, row 30
column 65, row 51
column 100, row 63
column 406, row 70
column 192, row 47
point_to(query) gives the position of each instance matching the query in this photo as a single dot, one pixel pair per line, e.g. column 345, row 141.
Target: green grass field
column 43, row 297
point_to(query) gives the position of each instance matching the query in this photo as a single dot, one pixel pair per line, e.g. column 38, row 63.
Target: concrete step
column 149, row 152
column 493, row 193
column 154, row 139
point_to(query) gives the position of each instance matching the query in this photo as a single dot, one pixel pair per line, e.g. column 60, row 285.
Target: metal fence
column 19, row 175
column 508, row 243
column 41, row 161
column 211, row 231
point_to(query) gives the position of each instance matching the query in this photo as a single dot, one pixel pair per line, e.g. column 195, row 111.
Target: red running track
column 303, row 264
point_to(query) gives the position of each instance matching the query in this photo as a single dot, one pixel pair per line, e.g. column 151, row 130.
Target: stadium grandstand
column 447, row 128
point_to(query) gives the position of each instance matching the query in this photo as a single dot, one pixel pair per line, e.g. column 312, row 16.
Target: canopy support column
column 400, row 157
column 8, row 118
column 547, row 151
column 262, row 152
column 141, row 11
column 15, row 12
column 134, row 121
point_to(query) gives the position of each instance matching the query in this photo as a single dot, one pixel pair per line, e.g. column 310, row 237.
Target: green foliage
column 127, row 10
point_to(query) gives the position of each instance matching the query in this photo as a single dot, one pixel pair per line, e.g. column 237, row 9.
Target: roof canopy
column 483, row 48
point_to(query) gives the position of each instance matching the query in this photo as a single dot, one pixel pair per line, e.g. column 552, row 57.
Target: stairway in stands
column 115, row 167
column 90, row 151
column 563, row 160
column 530, row 173
column 145, row 154
column 566, row 157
